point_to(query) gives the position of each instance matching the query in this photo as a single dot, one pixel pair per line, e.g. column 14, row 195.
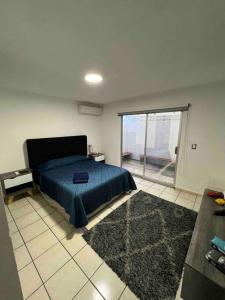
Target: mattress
column 80, row 200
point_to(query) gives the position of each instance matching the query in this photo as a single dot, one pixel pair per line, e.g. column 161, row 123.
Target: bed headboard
column 44, row 149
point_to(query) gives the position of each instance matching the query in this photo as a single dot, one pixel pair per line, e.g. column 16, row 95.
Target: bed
column 53, row 162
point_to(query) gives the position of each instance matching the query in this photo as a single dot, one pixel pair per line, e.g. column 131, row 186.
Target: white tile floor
column 54, row 261
column 152, row 172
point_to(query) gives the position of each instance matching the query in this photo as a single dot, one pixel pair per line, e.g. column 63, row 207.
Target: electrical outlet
column 194, row 146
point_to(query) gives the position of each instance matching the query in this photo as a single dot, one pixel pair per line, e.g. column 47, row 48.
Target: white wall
column 197, row 168
column 24, row 116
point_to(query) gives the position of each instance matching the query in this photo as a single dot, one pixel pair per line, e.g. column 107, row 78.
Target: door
column 133, row 143
column 162, row 139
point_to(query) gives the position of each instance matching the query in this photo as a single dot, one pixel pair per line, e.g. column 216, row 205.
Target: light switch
column 194, row 146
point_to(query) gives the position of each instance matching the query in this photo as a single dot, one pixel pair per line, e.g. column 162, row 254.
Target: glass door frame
column 178, row 146
column 121, row 145
column 145, row 149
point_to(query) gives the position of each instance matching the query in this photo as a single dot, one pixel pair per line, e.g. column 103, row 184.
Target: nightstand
column 16, row 183
column 100, row 157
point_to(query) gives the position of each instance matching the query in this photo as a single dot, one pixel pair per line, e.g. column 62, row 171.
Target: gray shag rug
column 145, row 242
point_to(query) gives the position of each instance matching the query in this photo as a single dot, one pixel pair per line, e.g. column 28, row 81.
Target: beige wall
column 197, row 168
column 24, row 116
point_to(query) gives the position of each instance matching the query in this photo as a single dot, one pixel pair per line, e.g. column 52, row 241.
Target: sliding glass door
column 133, row 146
column 150, row 143
column 161, row 146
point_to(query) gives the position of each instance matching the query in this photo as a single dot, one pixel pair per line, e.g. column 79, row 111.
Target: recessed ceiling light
column 93, row 78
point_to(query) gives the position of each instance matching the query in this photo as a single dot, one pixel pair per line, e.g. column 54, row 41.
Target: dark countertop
column 207, row 226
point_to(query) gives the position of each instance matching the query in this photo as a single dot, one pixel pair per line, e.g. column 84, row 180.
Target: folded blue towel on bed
column 80, row 177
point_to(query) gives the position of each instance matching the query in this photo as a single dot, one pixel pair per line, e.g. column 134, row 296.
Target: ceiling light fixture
column 93, row 78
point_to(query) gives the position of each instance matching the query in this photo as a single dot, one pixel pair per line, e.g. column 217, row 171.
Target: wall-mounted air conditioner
column 86, row 108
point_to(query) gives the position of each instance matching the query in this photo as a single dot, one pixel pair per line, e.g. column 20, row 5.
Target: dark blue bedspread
column 79, row 200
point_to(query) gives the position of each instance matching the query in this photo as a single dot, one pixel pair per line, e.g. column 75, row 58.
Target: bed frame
column 44, row 149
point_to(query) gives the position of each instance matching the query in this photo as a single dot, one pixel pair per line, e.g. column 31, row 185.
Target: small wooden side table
column 16, row 183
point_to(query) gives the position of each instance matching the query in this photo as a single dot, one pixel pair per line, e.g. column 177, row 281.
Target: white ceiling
column 139, row 46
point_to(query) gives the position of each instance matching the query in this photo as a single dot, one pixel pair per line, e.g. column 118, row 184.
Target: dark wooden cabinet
column 202, row 281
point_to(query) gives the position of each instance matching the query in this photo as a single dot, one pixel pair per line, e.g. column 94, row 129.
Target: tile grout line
column 177, row 197
column 12, row 209
column 34, row 236
column 83, row 270
column 59, row 241
column 36, row 209
column 195, row 203
column 106, row 263
column 84, row 287
column 28, row 224
column 30, row 239
column 123, row 292
column 89, row 280
column 34, row 221
column 33, row 259
column 34, row 266
column 20, row 216
column 72, row 257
